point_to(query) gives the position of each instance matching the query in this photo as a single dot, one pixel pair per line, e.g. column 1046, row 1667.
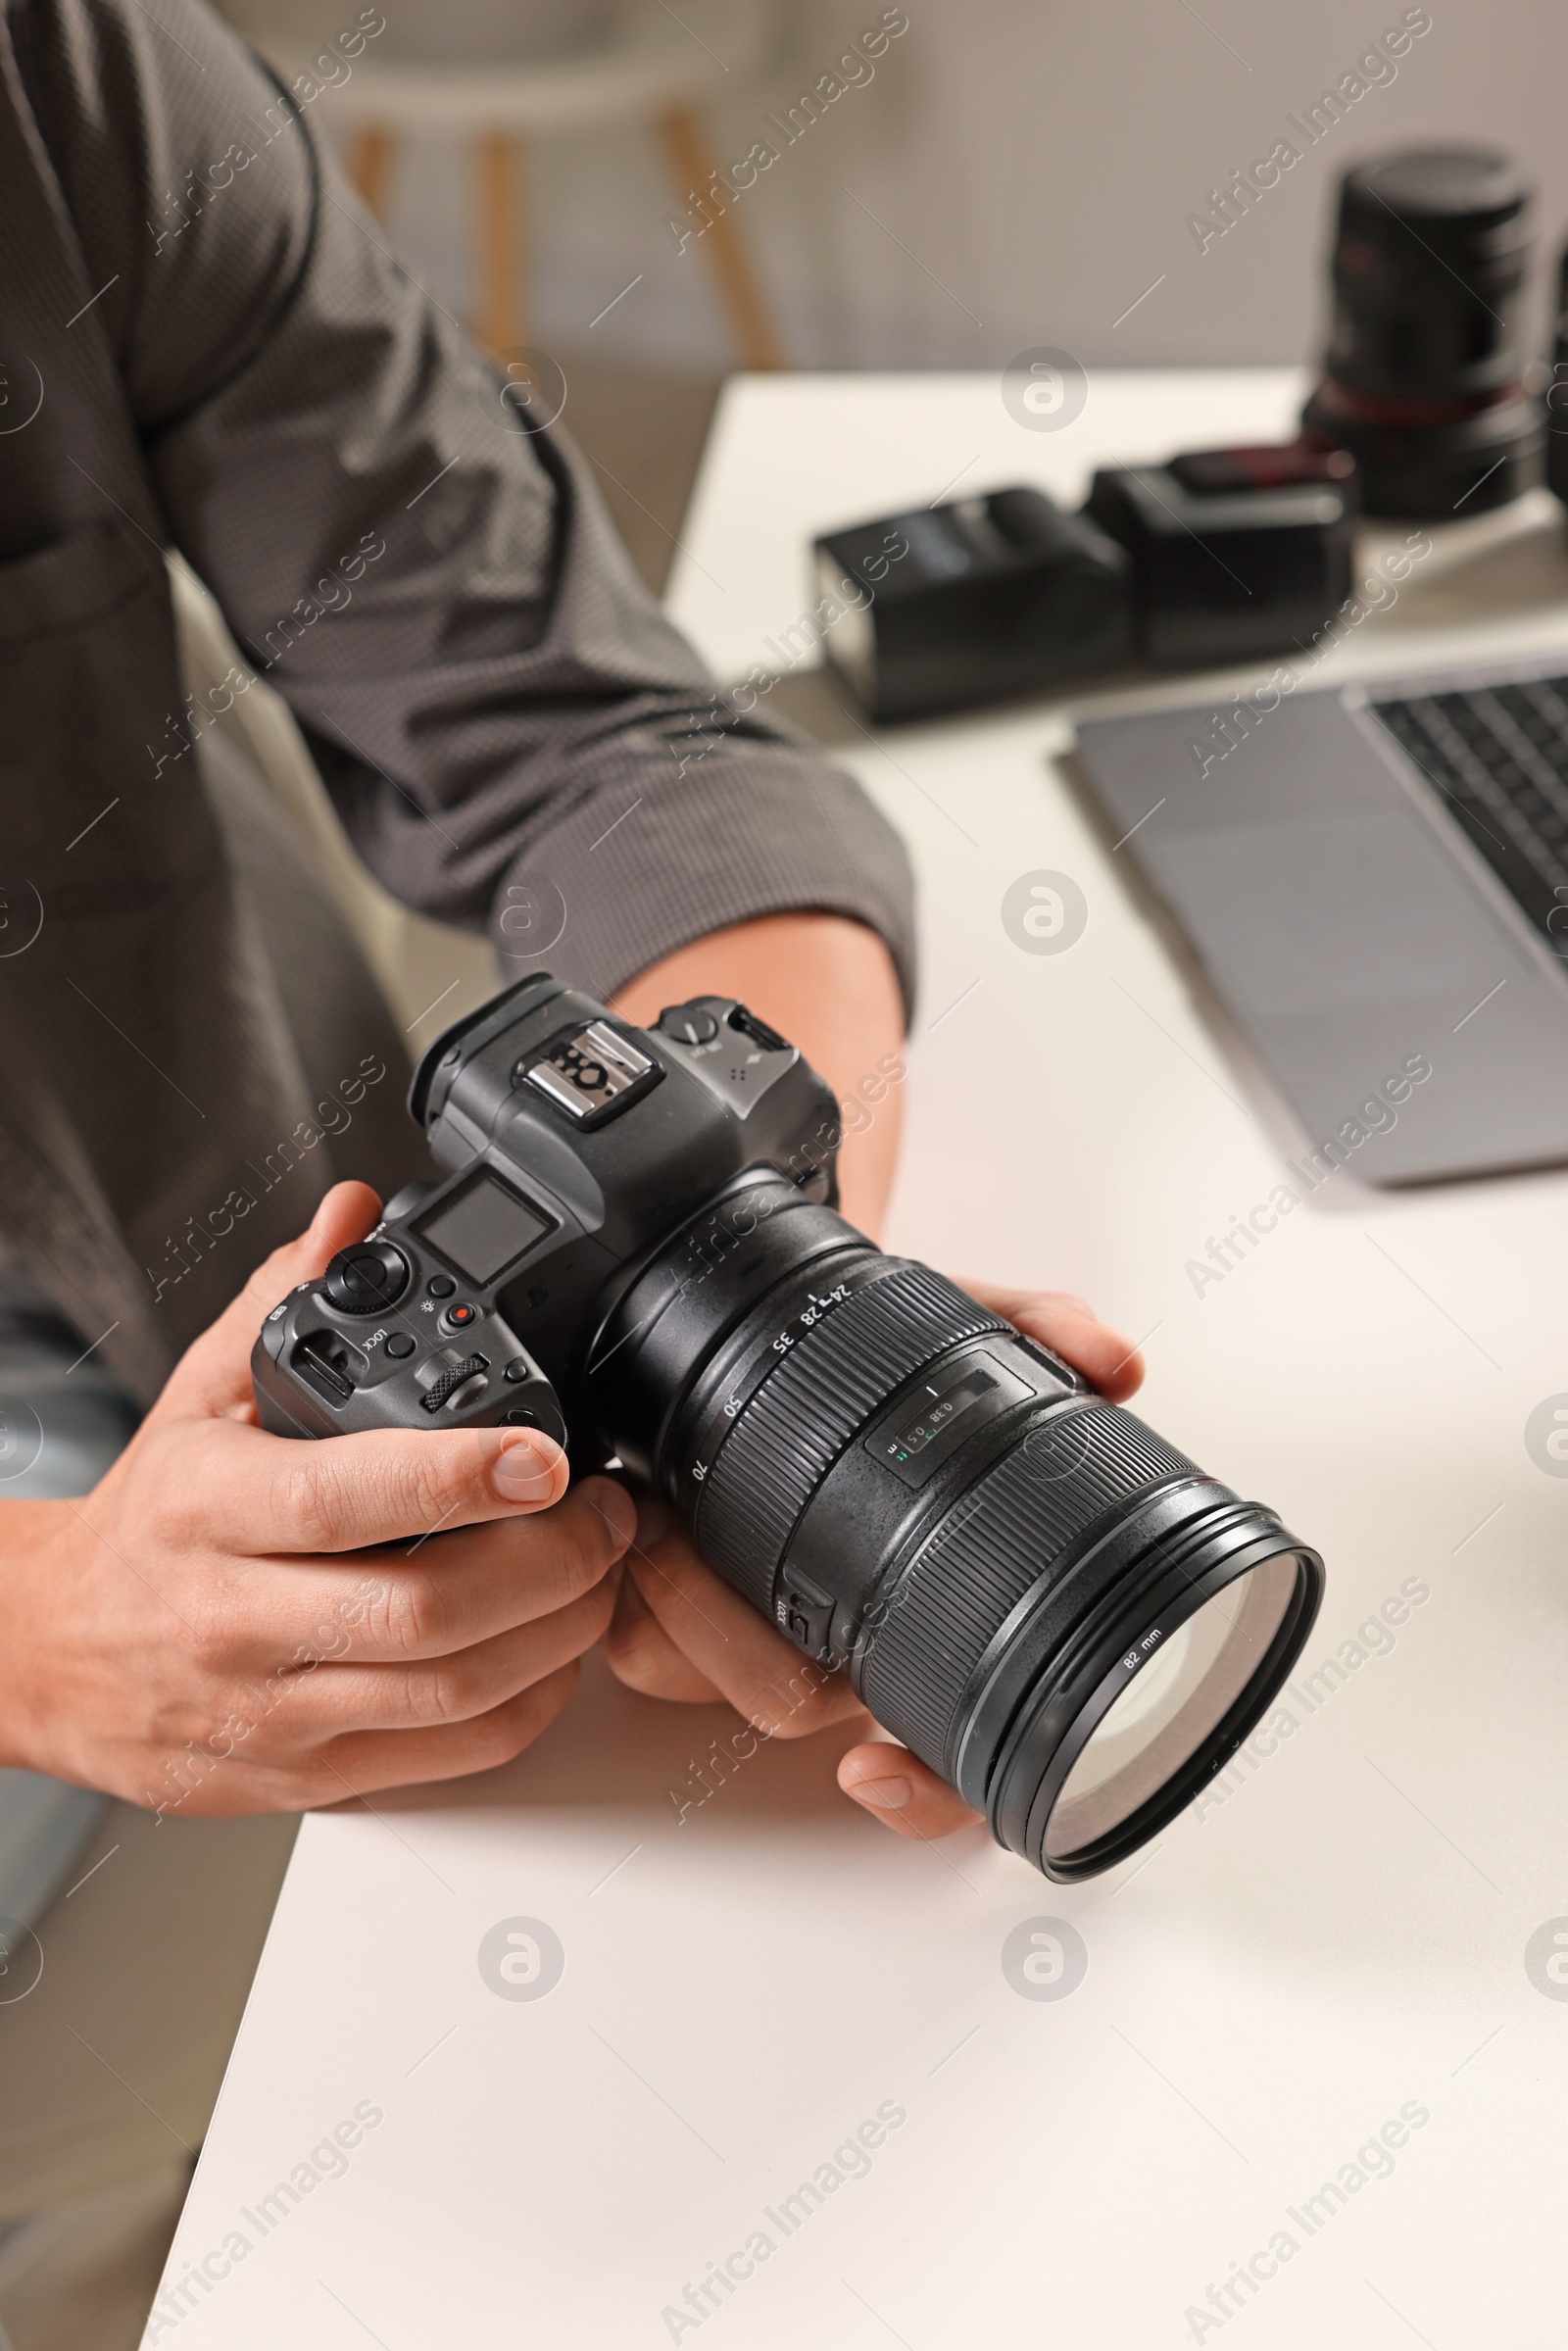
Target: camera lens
column 1422, row 381
column 1166, row 1713
column 1556, row 395
column 1069, row 1620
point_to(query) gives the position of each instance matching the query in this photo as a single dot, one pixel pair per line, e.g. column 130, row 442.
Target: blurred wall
column 1031, row 167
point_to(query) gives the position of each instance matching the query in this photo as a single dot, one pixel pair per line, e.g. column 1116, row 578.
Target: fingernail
column 888, row 1795
column 524, row 1470
column 615, row 1507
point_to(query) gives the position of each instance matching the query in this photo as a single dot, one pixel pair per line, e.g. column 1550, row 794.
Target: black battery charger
column 1219, row 555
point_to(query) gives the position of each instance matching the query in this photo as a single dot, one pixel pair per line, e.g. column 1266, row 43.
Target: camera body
column 474, row 1302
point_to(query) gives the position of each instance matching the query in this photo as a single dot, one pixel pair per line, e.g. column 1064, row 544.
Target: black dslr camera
column 639, row 1251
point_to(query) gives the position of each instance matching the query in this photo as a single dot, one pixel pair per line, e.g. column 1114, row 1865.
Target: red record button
column 459, row 1317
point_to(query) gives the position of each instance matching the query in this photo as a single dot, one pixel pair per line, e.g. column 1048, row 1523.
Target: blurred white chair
column 501, row 72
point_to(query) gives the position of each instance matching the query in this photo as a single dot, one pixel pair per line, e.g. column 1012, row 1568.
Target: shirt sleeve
column 504, row 717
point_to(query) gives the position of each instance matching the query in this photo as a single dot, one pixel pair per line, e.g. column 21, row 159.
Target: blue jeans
column 150, row 1932
column 62, row 1420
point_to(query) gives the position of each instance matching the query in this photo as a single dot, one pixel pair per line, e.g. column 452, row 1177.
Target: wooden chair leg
column 500, row 321
column 369, row 162
column 740, row 295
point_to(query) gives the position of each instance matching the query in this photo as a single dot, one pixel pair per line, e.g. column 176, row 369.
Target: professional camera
column 639, row 1251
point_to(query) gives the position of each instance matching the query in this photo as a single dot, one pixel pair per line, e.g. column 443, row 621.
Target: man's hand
column 233, row 1621
column 679, row 1631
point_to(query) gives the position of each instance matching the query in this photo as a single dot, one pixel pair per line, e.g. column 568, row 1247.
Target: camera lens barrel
column 915, row 1493
column 1429, row 267
column 1423, row 374
column 892, row 1321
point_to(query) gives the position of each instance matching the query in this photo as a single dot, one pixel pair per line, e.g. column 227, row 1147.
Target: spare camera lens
column 1557, row 395
column 1423, row 376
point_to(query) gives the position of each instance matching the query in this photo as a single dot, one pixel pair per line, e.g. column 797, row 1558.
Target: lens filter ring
column 961, row 1600
column 1223, row 1554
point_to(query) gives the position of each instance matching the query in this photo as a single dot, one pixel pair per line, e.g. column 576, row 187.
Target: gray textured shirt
column 204, row 344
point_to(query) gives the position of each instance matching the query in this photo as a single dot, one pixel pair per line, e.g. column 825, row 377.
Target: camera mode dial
column 367, row 1278
column 688, row 1024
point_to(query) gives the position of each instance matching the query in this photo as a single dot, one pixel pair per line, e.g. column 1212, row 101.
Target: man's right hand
column 233, row 1621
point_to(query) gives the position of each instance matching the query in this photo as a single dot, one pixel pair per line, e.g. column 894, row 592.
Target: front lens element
column 1172, row 1706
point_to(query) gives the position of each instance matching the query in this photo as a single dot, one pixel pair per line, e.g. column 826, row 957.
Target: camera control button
column 747, row 1024
column 807, row 1616
column 399, row 1345
column 440, row 1284
column 688, row 1024
column 446, row 1375
column 459, row 1317
column 518, row 1368
column 367, row 1278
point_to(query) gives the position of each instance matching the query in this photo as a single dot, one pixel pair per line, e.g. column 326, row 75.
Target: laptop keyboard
column 1497, row 756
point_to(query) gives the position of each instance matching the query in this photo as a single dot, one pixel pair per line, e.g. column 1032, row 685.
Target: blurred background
column 999, row 173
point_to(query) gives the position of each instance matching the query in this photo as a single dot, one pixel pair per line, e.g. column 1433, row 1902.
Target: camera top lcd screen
column 483, row 1229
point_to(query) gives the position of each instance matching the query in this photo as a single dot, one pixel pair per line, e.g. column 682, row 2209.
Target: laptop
column 1374, row 879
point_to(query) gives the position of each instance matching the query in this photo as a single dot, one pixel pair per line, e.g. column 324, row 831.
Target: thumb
column 214, row 1374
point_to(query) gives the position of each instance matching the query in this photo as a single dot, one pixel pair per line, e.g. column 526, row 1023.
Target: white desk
column 1343, row 1936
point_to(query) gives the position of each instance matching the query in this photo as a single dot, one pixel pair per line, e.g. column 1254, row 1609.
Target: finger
column 754, row 1668
column 366, row 1760
column 1068, row 1326
column 214, row 1374
column 641, row 1654
column 360, row 1763
column 336, row 1699
column 398, row 1606
column 232, row 1487
column 898, row 1789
